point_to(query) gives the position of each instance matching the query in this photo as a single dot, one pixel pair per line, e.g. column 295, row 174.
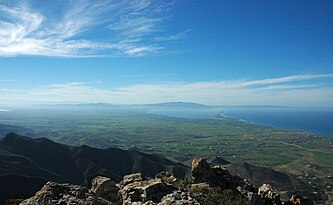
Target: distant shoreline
column 221, row 115
column 279, row 125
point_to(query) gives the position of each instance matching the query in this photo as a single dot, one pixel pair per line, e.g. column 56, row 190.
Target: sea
column 314, row 120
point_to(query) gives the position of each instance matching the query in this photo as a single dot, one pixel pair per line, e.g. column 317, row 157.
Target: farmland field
column 304, row 155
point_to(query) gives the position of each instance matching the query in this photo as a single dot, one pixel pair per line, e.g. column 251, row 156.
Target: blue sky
column 141, row 51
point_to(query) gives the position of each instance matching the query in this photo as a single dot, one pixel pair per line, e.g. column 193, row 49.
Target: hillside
column 42, row 159
column 30, row 163
column 5, row 129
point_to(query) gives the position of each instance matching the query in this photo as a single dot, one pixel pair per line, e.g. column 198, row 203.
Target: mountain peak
column 11, row 137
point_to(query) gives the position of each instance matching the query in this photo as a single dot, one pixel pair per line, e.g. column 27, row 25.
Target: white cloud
column 146, row 75
column 137, row 51
column 28, row 31
column 285, row 79
column 269, row 92
column 177, row 36
column 136, row 27
column 282, row 87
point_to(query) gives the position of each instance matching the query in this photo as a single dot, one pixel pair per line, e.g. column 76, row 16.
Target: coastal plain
column 306, row 156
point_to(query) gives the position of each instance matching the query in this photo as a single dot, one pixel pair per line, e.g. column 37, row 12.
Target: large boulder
column 166, row 177
column 59, row 194
column 106, row 188
column 130, row 179
column 216, row 176
column 248, row 191
column 148, row 191
column 269, row 195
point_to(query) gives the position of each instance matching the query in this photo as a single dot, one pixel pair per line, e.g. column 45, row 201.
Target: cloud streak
column 146, row 75
column 127, row 26
column 174, row 37
column 290, row 91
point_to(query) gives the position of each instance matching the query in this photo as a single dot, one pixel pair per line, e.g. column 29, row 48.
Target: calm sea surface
column 314, row 120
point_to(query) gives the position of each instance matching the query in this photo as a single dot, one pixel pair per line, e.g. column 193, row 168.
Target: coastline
column 278, row 126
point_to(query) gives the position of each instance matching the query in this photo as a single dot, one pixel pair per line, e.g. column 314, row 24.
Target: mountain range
column 32, row 162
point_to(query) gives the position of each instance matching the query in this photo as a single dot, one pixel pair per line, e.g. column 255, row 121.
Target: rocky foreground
column 207, row 185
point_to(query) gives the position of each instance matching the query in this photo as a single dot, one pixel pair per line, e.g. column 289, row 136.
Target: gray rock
column 59, row 194
column 216, row 176
column 131, row 178
column 106, row 188
column 166, row 177
column 145, row 191
column 269, row 195
column 178, row 198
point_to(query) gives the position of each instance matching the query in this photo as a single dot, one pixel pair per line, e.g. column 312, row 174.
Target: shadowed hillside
column 42, row 159
column 260, row 175
column 5, row 129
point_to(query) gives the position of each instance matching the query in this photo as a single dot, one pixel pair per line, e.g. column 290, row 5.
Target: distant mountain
column 176, row 105
column 109, row 105
column 82, row 106
column 40, row 160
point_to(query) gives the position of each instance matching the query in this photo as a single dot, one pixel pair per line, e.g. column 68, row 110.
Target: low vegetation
column 304, row 155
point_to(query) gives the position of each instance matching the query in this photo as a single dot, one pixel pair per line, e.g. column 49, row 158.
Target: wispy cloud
column 177, row 36
column 126, row 26
column 147, row 75
column 285, row 79
column 289, row 87
column 296, row 90
column 76, row 83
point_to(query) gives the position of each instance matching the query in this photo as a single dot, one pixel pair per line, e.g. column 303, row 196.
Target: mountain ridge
column 46, row 160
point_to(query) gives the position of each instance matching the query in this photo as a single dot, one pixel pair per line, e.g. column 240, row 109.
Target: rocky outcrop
column 106, row 188
column 178, row 198
column 167, row 177
column 248, row 191
column 128, row 179
column 216, row 176
column 269, row 195
column 144, row 191
column 54, row 193
column 30, row 163
column 257, row 175
column 207, row 185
